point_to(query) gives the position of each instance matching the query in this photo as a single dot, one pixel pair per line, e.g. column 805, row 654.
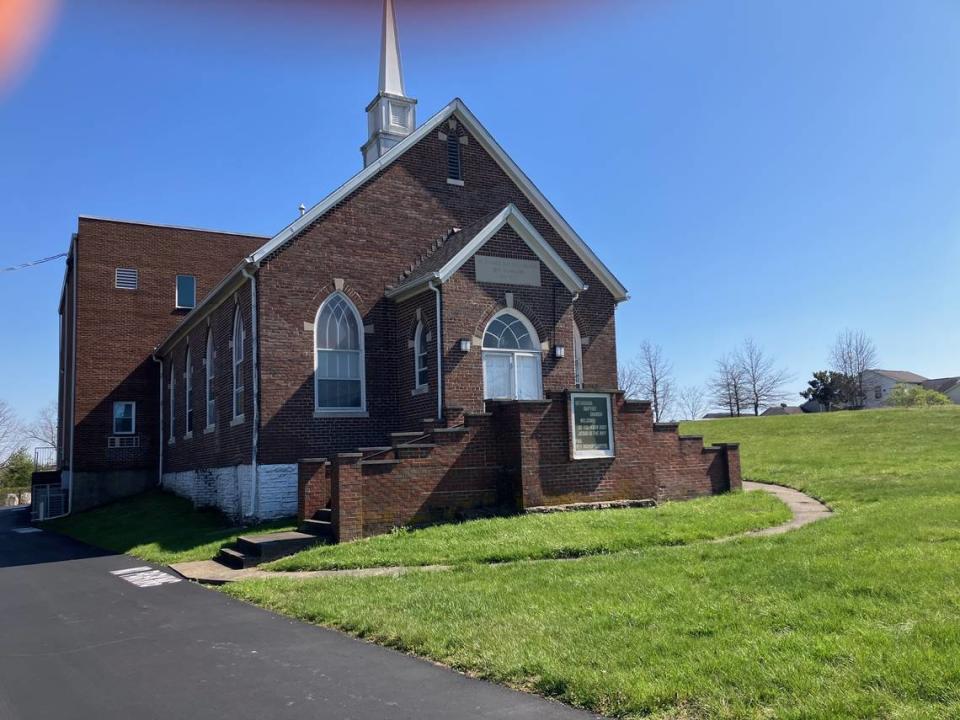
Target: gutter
column 160, row 428
column 73, row 374
column 436, row 290
column 255, row 372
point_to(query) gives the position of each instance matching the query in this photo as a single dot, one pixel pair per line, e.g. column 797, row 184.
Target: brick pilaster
column 346, row 497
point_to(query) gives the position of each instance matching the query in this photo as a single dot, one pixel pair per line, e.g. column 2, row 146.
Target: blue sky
column 766, row 169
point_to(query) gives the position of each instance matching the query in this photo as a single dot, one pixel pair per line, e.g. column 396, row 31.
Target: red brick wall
column 230, row 441
column 117, row 330
column 367, row 241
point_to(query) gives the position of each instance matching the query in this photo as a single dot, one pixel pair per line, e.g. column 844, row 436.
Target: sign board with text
column 591, row 425
column 507, row 271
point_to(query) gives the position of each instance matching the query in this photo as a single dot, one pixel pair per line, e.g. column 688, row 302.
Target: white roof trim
column 511, row 216
column 473, row 125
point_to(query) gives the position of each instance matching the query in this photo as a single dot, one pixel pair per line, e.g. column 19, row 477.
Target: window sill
column 209, row 429
column 420, row 390
column 188, row 436
column 238, row 420
column 451, row 181
column 318, row 414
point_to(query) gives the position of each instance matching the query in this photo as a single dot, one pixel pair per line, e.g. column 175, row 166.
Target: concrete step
column 235, row 559
column 265, row 548
column 401, row 438
column 324, row 514
column 318, row 528
column 414, row 450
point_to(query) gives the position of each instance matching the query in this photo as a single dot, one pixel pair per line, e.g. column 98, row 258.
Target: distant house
column 878, row 384
column 782, row 410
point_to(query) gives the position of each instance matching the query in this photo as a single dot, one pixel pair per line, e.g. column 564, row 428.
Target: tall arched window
column 236, row 344
column 420, row 356
column 577, row 357
column 338, row 357
column 211, row 394
column 511, row 358
column 173, row 402
column 188, row 391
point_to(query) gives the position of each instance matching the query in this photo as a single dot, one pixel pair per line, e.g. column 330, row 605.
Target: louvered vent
column 127, row 279
column 399, row 115
column 454, row 170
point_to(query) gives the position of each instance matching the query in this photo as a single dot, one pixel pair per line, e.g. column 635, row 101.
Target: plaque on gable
column 507, row 271
column 591, row 426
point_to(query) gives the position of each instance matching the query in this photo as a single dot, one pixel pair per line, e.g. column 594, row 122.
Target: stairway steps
column 264, row 548
column 235, row 559
column 326, row 514
column 318, row 528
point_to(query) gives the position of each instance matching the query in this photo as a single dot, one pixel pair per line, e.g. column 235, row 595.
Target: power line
column 32, row 263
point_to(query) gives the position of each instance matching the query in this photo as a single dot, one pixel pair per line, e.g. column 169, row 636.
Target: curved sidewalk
column 805, row 510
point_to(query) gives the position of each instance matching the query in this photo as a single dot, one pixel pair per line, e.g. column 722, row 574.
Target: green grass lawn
column 857, row 616
column 555, row 535
column 157, row 527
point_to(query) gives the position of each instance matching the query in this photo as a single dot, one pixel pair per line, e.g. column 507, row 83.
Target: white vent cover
column 399, row 115
column 127, row 279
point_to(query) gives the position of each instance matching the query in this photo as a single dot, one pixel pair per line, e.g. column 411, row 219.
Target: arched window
column 188, row 391
column 211, row 395
column 511, row 358
column 236, row 344
column 577, row 357
column 338, row 358
column 420, row 356
column 173, row 402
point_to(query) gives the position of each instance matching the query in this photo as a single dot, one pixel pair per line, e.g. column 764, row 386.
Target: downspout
column 160, row 429
column 255, row 372
column 73, row 376
column 439, row 316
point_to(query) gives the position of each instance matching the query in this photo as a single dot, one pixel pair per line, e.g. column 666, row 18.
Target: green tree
column 830, row 389
column 18, row 470
column 916, row 396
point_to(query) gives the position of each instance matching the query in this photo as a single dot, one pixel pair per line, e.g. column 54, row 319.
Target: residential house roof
column 941, row 385
column 901, row 376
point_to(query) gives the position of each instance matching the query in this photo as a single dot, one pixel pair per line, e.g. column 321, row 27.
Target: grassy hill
column 857, row 616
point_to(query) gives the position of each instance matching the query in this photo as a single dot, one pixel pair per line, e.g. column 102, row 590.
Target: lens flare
column 23, row 26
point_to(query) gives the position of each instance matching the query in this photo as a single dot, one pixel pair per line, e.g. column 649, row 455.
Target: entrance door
column 511, row 359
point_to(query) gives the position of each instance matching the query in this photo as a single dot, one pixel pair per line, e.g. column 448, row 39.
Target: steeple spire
column 391, row 68
column 391, row 115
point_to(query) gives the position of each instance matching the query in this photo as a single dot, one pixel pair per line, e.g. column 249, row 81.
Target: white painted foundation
column 230, row 489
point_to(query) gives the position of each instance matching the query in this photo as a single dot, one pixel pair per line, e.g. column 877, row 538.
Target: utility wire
column 32, row 263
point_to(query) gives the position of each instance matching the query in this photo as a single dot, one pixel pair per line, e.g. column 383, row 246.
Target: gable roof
column 473, row 125
column 463, row 245
column 456, row 108
column 903, row 376
column 941, row 385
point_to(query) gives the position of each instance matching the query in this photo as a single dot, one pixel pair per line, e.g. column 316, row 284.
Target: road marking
column 145, row 576
column 24, row 531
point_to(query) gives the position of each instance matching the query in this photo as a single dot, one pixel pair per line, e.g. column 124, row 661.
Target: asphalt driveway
column 90, row 634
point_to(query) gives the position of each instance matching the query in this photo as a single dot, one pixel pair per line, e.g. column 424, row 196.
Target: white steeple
column 391, row 115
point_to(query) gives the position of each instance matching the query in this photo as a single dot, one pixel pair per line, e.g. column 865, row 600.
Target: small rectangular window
column 124, row 417
column 186, row 291
column 127, row 279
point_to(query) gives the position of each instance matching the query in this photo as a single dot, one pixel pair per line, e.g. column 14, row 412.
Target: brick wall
column 516, row 457
column 117, row 330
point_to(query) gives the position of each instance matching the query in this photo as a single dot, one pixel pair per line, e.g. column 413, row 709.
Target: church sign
column 507, row 271
column 591, row 425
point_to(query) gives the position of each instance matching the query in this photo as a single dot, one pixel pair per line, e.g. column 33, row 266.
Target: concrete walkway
column 805, row 510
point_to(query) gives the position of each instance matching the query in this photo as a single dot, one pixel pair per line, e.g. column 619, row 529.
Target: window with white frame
column 209, row 372
column 186, row 291
column 172, row 388
column 511, row 359
column 338, row 356
column 577, row 357
column 420, row 356
column 188, row 391
column 124, row 417
column 236, row 345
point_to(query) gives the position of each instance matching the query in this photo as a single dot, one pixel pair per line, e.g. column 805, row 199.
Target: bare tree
column 628, row 378
column 693, row 402
column 764, row 382
column 852, row 354
column 10, row 433
column 728, row 387
column 649, row 377
column 44, row 429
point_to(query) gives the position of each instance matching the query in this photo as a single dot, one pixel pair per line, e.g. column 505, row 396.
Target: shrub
column 916, row 396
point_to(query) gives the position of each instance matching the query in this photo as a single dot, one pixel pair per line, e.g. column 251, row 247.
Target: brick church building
column 429, row 340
